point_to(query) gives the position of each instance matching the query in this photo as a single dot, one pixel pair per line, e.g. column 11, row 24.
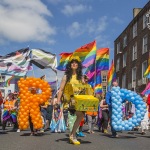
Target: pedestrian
column 109, row 103
column 10, row 111
column 105, row 115
column 73, row 75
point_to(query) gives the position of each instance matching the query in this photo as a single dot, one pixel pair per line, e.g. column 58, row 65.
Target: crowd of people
column 60, row 104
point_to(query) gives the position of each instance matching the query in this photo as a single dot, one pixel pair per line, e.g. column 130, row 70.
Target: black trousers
column 31, row 124
column 105, row 118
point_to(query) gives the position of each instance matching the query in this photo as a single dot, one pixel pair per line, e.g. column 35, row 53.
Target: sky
column 62, row 25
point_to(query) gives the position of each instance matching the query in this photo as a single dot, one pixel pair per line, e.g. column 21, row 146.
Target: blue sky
column 62, row 25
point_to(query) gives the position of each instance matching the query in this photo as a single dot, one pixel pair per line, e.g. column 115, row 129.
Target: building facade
column 104, row 80
column 132, row 50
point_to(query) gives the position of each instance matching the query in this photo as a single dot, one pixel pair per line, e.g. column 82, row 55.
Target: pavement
column 10, row 140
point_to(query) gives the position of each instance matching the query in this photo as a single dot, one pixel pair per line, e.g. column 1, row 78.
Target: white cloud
column 70, row 10
column 23, row 21
column 117, row 20
column 91, row 27
column 75, row 29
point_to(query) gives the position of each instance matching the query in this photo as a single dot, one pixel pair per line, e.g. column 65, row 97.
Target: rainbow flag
column 7, row 83
column 87, row 53
column 102, row 59
column 64, row 61
column 98, row 85
column 147, row 72
column 111, row 75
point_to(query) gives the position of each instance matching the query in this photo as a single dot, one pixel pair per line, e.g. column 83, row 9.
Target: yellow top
column 70, row 90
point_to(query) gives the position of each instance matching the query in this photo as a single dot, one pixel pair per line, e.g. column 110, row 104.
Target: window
column 117, row 65
column 134, row 74
column 104, row 78
column 104, row 89
column 118, row 47
column 134, row 54
column 125, row 41
column 144, row 67
column 135, row 30
column 144, row 50
column 124, row 59
column 145, row 21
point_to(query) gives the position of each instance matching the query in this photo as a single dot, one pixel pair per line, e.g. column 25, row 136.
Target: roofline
column 142, row 9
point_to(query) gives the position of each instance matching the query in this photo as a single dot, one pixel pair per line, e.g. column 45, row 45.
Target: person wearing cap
column 73, row 75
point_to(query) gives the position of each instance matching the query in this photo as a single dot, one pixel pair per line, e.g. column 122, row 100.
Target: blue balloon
column 118, row 97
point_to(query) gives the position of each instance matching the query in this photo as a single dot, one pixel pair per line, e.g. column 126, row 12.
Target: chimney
column 136, row 11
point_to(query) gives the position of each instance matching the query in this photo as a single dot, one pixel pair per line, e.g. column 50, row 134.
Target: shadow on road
column 67, row 141
column 120, row 136
column 29, row 134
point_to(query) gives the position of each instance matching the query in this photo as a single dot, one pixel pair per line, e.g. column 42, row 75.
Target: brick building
column 132, row 48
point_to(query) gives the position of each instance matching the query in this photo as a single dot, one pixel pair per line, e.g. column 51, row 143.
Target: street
column 52, row 141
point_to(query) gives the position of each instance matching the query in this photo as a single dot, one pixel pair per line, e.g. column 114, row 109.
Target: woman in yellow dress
column 73, row 75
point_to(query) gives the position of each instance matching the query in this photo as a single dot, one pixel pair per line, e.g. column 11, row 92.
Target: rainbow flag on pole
column 102, row 59
column 64, row 61
column 111, row 75
column 7, row 82
column 147, row 72
column 98, row 85
column 87, row 53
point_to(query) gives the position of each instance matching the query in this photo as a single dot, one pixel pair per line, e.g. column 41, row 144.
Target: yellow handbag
column 81, row 99
column 85, row 103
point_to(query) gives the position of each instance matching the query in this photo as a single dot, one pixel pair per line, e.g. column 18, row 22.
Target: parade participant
column 91, row 116
column 33, row 132
column 1, row 103
column 144, row 122
column 109, row 103
column 105, row 115
column 73, row 75
column 49, row 113
column 10, row 111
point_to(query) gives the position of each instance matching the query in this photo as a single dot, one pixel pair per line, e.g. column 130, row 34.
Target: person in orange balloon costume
column 30, row 102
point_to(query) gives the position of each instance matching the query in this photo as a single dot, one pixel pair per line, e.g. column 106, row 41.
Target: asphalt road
column 59, row 141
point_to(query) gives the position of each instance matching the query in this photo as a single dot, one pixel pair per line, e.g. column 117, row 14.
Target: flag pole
column 95, row 74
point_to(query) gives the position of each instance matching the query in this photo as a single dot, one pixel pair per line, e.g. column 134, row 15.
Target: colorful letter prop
column 120, row 95
column 30, row 102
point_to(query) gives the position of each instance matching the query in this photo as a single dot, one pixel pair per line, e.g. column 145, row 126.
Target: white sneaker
column 18, row 130
column 42, row 130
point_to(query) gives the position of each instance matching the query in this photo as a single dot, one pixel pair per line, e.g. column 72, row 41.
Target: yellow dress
column 70, row 90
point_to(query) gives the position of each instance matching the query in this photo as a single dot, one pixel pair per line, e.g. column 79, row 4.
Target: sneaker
column 114, row 136
column 89, row 131
column 32, row 133
column 18, row 130
column 80, row 134
column 143, row 133
column 105, row 131
column 92, row 132
column 41, row 130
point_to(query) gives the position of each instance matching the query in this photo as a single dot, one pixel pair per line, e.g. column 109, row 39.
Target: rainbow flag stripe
column 147, row 72
column 7, row 83
column 98, row 89
column 102, row 59
column 87, row 53
column 64, row 61
column 111, row 75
